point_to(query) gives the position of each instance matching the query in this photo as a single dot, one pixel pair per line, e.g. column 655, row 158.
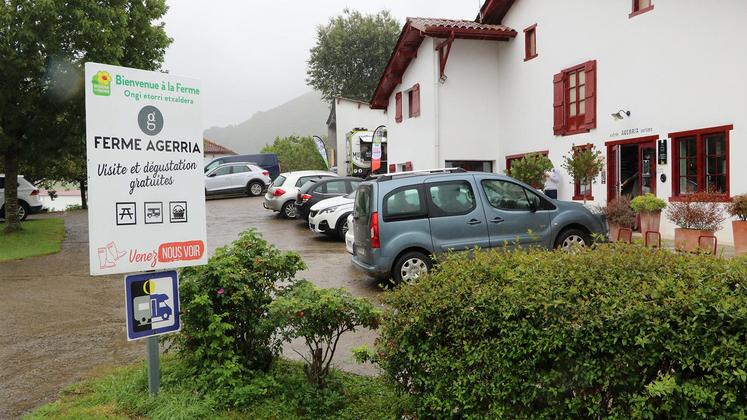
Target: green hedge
column 618, row 331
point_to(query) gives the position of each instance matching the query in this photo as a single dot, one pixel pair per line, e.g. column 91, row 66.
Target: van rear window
column 404, row 204
column 362, row 208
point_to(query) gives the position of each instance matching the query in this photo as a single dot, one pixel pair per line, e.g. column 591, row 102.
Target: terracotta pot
column 739, row 227
column 650, row 221
column 687, row 239
column 614, row 231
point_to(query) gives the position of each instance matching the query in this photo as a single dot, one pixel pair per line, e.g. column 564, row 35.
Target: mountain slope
column 305, row 115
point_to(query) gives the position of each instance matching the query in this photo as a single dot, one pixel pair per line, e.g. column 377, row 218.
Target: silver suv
column 282, row 193
column 237, row 178
column 400, row 220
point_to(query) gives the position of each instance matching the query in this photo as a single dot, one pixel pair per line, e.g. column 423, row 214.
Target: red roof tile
column 212, row 148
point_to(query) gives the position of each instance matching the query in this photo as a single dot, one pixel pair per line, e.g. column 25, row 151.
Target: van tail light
column 266, row 173
column 305, row 197
column 278, row 192
column 35, row 192
column 375, row 242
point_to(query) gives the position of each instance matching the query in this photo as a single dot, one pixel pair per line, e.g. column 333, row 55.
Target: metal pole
column 154, row 368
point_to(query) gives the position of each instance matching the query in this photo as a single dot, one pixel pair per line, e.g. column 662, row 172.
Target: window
column 505, row 195
column 404, row 204
column 700, row 161
column 575, row 101
column 471, row 165
column 362, row 207
column 582, row 188
column 451, row 198
column 530, row 42
column 398, row 107
column 335, row 187
column 305, row 179
column 641, row 6
column 413, row 101
column 226, row 170
column 238, row 169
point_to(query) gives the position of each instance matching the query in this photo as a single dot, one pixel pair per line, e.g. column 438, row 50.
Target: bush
column 618, row 212
column 584, row 164
column 296, row 154
column 738, row 207
column 616, row 331
column 531, row 169
column 224, row 308
column 647, row 203
column 320, row 316
column 697, row 211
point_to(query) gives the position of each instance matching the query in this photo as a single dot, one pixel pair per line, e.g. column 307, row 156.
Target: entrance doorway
column 631, row 166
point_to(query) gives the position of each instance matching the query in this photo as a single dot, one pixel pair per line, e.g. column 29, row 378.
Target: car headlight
column 329, row 210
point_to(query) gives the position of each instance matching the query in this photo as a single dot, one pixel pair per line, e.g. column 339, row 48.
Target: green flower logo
column 102, row 83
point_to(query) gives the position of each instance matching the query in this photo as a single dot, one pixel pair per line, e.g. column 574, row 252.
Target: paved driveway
column 58, row 324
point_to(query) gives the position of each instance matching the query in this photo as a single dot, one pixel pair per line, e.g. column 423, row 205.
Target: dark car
column 267, row 161
column 315, row 191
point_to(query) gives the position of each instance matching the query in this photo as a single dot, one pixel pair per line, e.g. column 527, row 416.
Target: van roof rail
column 396, row 175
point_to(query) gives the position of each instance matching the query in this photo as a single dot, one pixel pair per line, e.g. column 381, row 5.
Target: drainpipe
column 437, row 107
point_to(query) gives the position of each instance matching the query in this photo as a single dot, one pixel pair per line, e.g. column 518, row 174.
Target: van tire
column 340, row 229
column 288, row 210
column 569, row 237
column 411, row 265
column 254, row 189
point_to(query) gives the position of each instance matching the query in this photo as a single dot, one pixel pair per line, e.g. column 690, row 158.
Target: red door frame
column 612, row 164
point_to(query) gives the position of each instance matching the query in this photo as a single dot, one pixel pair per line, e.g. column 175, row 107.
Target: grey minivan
column 400, row 220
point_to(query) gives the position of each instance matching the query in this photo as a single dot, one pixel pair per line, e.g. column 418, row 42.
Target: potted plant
column 619, row 215
column 531, row 169
column 695, row 215
column 584, row 164
column 649, row 207
column 738, row 208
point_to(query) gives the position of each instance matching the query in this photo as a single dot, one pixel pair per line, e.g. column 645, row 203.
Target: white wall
column 678, row 67
column 351, row 115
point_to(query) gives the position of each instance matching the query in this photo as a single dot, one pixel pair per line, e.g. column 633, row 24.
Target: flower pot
column 739, row 227
column 650, row 221
column 614, row 232
column 687, row 239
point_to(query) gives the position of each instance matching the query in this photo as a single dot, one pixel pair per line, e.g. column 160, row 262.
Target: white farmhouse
column 656, row 85
column 345, row 116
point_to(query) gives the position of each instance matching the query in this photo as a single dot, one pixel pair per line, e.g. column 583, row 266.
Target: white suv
column 281, row 195
column 330, row 216
column 29, row 201
column 237, row 178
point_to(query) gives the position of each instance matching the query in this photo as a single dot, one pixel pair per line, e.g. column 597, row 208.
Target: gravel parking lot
column 59, row 324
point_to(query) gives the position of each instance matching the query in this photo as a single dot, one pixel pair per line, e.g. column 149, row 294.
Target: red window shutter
column 590, row 120
column 408, row 166
column 559, row 121
column 392, row 168
column 398, row 106
column 415, row 112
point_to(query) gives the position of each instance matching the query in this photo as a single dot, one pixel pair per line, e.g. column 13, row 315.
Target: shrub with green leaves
column 531, row 169
column 647, row 203
column 738, row 207
column 615, row 331
column 321, row 317
column 224, row 308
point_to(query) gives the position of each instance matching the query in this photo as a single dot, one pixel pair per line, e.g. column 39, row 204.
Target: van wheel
column 342, row 226
column 288, row 210
column 254, row 189
column 410, row 266
column 572, row 238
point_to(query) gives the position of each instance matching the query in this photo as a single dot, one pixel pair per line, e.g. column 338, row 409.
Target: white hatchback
column 281, row 195
column 29, row 201
column 330, row 216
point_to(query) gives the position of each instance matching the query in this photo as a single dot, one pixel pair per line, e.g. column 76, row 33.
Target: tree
column 531, row 169
column 351, row 53
column 584, row 164
column 43, row 47
column 296, row 154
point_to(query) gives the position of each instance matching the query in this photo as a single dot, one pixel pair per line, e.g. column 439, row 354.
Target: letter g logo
column 150, row 120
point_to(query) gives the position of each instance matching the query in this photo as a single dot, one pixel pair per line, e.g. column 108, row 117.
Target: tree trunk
column 12, row 224
column 83, row 196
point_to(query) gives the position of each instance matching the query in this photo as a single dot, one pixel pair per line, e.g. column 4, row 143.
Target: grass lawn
column 38, row 237
column 282, row 393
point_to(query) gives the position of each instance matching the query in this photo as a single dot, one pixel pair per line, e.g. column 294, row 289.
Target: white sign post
column 146, row 185
column 146, row 188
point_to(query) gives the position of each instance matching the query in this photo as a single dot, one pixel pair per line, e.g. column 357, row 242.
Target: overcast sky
column 251, row 54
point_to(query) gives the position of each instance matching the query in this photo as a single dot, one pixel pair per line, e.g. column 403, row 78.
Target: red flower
column 221, row 291
column 299, row 314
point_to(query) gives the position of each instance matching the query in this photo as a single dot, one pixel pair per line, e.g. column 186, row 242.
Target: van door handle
column 497, row 220
column 474, row 222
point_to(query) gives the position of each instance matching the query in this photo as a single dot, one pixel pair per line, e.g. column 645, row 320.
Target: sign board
column 146, row 188
column 321, row 148
column 662, row 151
column 152, row 302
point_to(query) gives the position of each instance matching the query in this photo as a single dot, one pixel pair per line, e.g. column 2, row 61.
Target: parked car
column 237, row 178
column 330, row 216
column 322, row 189
column 402, row 219
column 268, row 161
column 281, row 195
column 29, row 201
column 350, row 235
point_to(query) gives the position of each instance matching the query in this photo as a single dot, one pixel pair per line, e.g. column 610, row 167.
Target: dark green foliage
column 614, row 332
column 531, row 169
column 321, row 317
column 224, row 308
column 351, row 53
column 296, row 154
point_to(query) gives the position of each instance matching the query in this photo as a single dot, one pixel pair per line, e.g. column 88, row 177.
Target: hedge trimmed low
column 617, row 331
